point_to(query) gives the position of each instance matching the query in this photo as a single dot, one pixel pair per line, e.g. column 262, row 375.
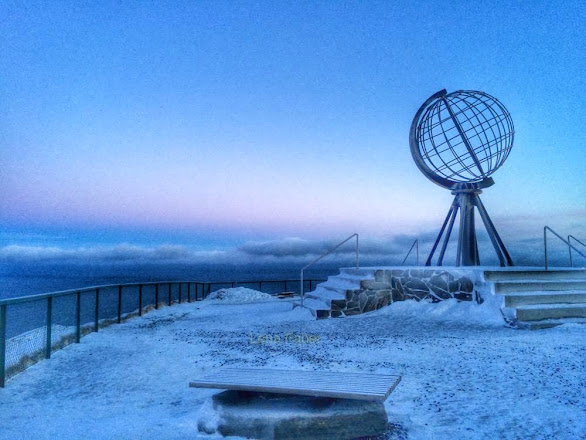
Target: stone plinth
column 279, row 416
column 386, row 285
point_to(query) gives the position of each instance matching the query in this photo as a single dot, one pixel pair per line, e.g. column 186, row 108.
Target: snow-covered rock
column 239, row 295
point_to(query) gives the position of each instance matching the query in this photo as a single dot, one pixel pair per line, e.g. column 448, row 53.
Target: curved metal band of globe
column 427, row 171
column 467, row 253
column 451, row 137
column 458, row 140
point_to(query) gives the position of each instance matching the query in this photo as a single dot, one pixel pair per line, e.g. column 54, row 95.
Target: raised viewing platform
column 132, row 380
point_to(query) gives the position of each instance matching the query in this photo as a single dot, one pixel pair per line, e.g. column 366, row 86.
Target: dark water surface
column 30, row 279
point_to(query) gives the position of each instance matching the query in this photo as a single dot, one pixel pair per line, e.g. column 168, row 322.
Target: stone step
column 537, row 275
column 540, row 312
column 538, row 286
column 325, row 294
column 366, row 273
column 312, row 304
column 548, row 323
column 342, row 284
column 548, row 297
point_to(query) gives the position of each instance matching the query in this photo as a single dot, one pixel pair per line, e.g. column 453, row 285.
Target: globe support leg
column 467, row 251
column 501, row 251
column 450, row 217
column 467, row 243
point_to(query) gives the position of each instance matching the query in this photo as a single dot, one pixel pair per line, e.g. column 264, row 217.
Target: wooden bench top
column 342, row 385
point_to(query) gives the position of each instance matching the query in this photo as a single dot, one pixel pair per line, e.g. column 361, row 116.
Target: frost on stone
column 208, row 418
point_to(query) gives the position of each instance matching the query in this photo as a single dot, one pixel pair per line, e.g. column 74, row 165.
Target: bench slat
column 367, row 386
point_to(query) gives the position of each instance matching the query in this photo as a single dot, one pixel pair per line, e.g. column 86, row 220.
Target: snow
column 465, row 375
column 239, row 295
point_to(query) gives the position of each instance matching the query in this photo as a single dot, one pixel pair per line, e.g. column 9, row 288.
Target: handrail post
column 570, row 250
column 301, row 287
column 2, row 345
column 545, row 245
column 169, row 294
column 49, row 325
column 179, row 295
column 357, row 253
column 156, row 296
column 97, row 311
column 77, row 317
column 140, row 300
column 119, row 303
column 188, row 292
column 417, row 250
column 545, row 228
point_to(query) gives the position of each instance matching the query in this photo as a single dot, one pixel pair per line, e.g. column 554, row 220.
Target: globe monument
column 458, row 140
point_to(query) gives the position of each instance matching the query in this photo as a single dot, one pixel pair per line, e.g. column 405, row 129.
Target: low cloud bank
column 523, row 237
column 390, row 251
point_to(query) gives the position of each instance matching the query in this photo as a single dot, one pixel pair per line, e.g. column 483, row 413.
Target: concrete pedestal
column 278, row 416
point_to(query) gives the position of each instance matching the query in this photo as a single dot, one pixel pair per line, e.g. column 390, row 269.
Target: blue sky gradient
column 212, row 124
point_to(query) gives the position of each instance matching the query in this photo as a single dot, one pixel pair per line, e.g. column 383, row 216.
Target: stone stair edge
column 543, row 293
column 551, row 306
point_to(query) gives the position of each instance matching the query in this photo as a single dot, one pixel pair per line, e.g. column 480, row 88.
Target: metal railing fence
column 302, row 284
column 567, row 242
column 35, row 326
column 570, row 238
column 416, row 245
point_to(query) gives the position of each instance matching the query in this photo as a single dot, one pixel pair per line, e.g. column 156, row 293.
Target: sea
column 30, row 279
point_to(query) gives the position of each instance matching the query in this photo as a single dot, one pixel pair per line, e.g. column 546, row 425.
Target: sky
column 221, row 125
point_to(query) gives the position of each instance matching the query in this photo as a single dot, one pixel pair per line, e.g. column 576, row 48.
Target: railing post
column 179, row 295
column 357, row 253
column 260, row 286
column 285, row 285
column 77, row 317
column 417, row 250
column 301, row 288
column 49, row 325
column 310, row 285
column 545, row 245
column 140, row 300
column 97, row 311
column 232, row 284
column 188, row 292
column 119, row 303
column 169, row 293
column 156, row 296
column 2, row 345
column 570, row 250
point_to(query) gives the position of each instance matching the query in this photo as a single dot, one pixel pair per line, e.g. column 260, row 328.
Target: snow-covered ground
column 465, row 375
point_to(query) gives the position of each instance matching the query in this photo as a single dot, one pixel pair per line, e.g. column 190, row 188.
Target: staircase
column 536, row 299
column 326, row 299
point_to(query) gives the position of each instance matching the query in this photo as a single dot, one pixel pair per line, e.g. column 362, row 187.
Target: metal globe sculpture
column 458, row 140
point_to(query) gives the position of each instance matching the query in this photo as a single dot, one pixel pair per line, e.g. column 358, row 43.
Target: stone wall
column 390, row 285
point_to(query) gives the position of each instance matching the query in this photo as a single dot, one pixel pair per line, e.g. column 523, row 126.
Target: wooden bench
column 341, row 385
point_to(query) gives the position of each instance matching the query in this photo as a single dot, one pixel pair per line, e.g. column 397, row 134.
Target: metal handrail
column 201, row 289
column 325, row 255
column 416, row 244
column 547, row 228
column 570, row 248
